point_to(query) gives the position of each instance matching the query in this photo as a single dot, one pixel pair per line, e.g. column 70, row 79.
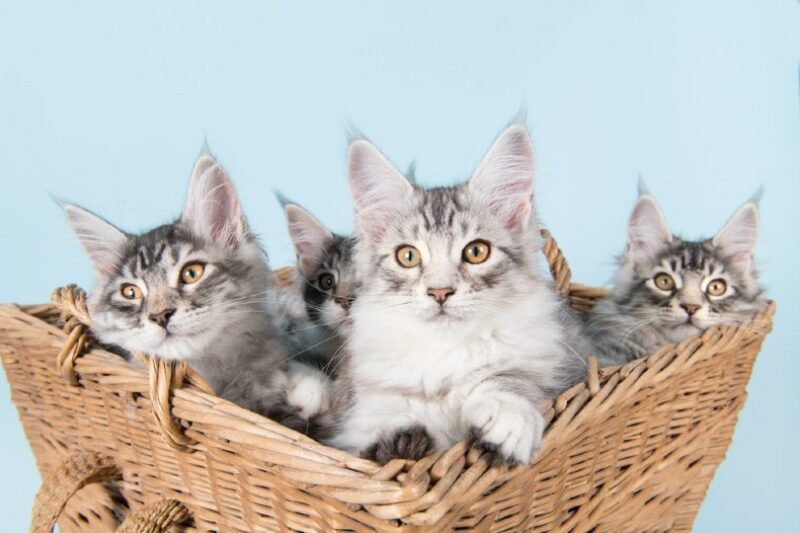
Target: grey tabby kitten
column 325, row 288
column 668, row 289
column 454, row 333
column 192, row 290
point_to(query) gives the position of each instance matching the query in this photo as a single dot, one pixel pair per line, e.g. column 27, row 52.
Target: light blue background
column 108, row 105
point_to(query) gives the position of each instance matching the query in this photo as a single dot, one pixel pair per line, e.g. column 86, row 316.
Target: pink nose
column 440, row 295
column 690, row 308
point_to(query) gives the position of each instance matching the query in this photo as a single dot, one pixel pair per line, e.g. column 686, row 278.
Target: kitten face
column 325, row 264
column 685, row 287
column 330, row 289
column 447, row 254
column 176, row 289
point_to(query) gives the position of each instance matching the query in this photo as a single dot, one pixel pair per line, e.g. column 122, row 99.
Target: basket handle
column 81, row 469
column 559, row 268
column 156, row 518
column 74, row 473
column 164, row 376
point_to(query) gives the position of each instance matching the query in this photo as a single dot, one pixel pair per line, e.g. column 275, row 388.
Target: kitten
column 454, row 333
column 315, row 311
column 192, row 290
column 668, row 289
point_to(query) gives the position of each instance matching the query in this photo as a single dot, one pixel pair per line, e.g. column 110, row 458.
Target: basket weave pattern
column 633, row 448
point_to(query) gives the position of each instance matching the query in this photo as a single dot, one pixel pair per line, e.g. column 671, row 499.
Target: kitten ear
column 212, row 210
column 310, row 238
column 648, row 232
column 504, row 179
column 377, row 188
column 101, row 239
column 737, row 240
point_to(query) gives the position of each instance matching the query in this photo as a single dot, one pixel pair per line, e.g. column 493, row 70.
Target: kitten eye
column 408, row 256
column 326, row 281
column 129, row 291
column 716, row 287
column 192, row 272
column 476, row 252
column 664, row 282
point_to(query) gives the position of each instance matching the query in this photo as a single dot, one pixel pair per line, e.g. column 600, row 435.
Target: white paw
column 308, row 395
column 510, row 426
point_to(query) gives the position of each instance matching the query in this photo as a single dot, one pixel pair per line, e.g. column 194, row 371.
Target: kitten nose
column 162, row 318
column 344, row 301
column 690, row 308
column 440, row 295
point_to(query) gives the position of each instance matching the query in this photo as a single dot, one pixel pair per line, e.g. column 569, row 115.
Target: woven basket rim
column 759, row 325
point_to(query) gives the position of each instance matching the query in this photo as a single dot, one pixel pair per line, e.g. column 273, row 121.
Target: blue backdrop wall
column 108, row 105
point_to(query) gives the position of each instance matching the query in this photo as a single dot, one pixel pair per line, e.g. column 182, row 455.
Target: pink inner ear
column 223, row 217
column 518, row 215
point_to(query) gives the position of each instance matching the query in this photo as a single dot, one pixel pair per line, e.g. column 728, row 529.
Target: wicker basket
column 634, row 448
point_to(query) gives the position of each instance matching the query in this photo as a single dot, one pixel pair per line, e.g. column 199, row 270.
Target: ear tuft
column 737, row 240
column 102, row 240
column 378, row 189
column 310, row 238
column 504, row 179
column 212, row 210
column 648, row 233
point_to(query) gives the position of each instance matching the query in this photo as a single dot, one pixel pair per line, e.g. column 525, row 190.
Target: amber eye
column 326, row 281
column 664, row 282
column 192, row 272
column 408, row 256
column 716, row 287
column 477, row 252
column 130, row 291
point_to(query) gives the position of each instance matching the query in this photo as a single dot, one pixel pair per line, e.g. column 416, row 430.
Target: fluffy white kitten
column 454, row 332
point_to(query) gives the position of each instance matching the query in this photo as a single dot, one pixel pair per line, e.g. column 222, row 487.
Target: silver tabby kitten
column 454, row 332
column 668, row 289
column 192, row 290
column 325, row 287
column 313, row 313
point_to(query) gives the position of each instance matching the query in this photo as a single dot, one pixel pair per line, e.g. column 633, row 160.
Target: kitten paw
column 308, row 395
column 413, row 442
column 508, row 431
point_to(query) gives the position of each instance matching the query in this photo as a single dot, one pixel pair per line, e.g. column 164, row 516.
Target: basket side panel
column 644, row 462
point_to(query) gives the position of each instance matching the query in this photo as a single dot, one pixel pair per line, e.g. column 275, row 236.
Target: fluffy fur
column 420, row 375
column 219, row 323
column 314, row 313
column 638, row 317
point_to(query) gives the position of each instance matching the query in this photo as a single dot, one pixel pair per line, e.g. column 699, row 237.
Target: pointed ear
column 101, row 239
column 648, row 232
column 310, row 238
column 212, row 210
column 377, row 188
column 504, row 179
column 737, row 240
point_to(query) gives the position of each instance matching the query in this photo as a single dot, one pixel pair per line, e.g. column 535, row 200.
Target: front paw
column 509, row 430
column 413, row 442
column 308, row 395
